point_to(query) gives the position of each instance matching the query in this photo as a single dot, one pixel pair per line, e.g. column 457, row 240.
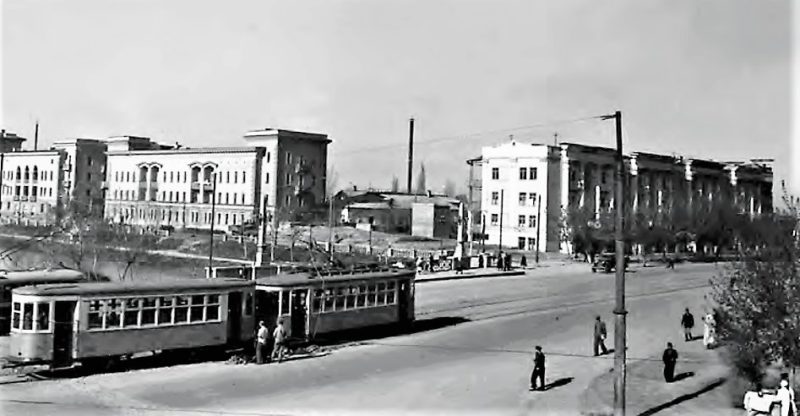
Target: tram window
column 43, row 317
column 15, row 315
column 165, row 311
column 95, row 315
column 181, row 309
column 390, row 297
column 381, row 286
column 362, row 296
column 212, row 308
column 390, row 285
column 248, row 304
column 148, row 311
column 316, row 302
column 371, row 295
column 113, row 313
column 340, row 299
column 381, row 298
column 27, row 316
column 328, row 304
column 131, row 313
column 351, row 297
column 196, row 312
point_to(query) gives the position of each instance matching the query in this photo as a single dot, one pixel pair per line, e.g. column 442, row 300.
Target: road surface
column 478, row 367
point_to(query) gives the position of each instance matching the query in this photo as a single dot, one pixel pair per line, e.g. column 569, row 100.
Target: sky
column 707, row 79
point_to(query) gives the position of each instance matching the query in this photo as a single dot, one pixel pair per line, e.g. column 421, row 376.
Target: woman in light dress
column 709, row 331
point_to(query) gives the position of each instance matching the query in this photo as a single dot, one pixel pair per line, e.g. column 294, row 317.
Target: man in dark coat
column 600, row 334
column 500, row 261
column 670, row 358
column 538, row 369
column 687, row 322
column 507, row 262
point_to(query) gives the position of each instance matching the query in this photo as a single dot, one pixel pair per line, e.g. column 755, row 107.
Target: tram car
column 311, row 305
column 100, row 323
column 12, row 279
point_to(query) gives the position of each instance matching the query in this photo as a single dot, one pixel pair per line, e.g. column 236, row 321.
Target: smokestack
column 410, row 152
column 36, row 137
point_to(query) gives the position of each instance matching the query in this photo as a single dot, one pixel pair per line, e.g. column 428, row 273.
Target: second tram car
column 101, row 322
column 11, row 279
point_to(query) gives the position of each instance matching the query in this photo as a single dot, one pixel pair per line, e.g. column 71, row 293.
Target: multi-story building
column 280, row 171
column 574, row 175
column 37, row 186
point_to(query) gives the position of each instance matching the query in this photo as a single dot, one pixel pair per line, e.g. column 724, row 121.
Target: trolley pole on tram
column 211, row 234
column 619, row 310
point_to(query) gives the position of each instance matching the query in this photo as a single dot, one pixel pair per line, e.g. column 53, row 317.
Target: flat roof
column 304, row 279
column 187, row 150
column 129, row 288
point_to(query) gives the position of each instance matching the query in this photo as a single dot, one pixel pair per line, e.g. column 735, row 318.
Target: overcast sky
column 705, row 79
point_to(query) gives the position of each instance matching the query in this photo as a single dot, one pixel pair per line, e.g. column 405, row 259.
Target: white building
column 151, row 185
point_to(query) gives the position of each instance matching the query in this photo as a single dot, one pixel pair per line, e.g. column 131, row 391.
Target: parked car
column 248, row 229
column 607, row 262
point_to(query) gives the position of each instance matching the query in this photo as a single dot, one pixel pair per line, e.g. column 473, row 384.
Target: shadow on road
column 683, row 398
column 683, row 376
column 366, row 334
column 558, row 383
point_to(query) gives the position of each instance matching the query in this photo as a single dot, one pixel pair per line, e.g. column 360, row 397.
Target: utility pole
column 330, row 226
column 538, row 223
column 211, row 234
column 410, row 153
column 502, row 197
column 619, row 246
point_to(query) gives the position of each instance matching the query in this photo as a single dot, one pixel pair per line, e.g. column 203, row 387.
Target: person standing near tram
column 261, row 342
column 280, row 341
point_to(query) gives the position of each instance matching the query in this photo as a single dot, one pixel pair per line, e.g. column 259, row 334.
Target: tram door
column 63, row 321
column 234, row 316
column 299, row 313
column 267, row 307
column 403, row 297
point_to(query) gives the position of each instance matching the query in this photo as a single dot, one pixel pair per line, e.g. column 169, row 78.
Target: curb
column 470, row 276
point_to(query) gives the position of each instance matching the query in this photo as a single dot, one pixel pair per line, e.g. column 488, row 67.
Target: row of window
column 107, row 314
column 525, row 173
column 522, row 220
column 30, row 316
column 27, row 191
column 176, row 216
column 180, row 177
column 20, row 174
column 525, row 198
column 225, row 198
column 530, row 246
column 343, row 298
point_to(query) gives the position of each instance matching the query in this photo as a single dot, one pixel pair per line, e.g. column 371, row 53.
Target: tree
column 331, row 181
column 757, row 298
column 395, row 184
column 421, row 186
column 450, row 188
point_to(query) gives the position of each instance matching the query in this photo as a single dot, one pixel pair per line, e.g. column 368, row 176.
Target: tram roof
column 26, row 277
column 305, row 279
column 126, row 288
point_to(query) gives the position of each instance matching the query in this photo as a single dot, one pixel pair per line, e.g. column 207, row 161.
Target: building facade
column 572, row 176
column 280, row 172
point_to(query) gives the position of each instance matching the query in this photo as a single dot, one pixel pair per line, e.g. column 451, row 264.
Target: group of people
column 760, row 402
column 503, row 261
column 263, row 343
column 709, row 328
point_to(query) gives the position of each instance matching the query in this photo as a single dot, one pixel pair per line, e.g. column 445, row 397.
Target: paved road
column 480, row 367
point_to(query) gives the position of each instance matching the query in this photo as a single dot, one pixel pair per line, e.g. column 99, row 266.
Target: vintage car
column 607, row 262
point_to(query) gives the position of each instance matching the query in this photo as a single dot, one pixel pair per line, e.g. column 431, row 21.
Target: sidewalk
column 467, row 274
column 699, row 371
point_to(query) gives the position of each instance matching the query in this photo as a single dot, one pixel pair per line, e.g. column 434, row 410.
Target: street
column 477, row 367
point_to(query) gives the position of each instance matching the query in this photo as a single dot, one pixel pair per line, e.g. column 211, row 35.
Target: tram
column 12, row 279
column 314, row 304
column 100, row 323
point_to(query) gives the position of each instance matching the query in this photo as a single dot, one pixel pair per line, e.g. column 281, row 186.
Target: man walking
column 261, row 342
column 687, row 321
column 600, row 334
column 670, row 358
column 280, row 341
column 538, row 369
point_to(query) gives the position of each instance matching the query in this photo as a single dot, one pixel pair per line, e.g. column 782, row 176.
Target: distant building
column 428, row 215
column 515, row 176
column 280, row 172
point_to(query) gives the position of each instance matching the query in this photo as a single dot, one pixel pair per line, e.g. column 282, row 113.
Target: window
column 495, row 173
column 361, row 299
column 244, row 175
column 494, row 219
column 521, row 243
column 316, row 301
column 196, row 311
column 531, row 221
column 532, row 174
column 531, row 244
column 340, row 298
column 390, row 292
column 522, row 198
column 248, row 304
column 351, row 297
column 95, row 316
column 285, row 302
column 236, row 177
column 42, row 316
column 113, row 313
column 495, row 197
column 181, row 309
column 532, row 198
column 131, row 313
column 521, row 221
column 27, row 316
column 381, row 293
column 165, row 311
column 327, row 304
column 15, row 315
column 371, row 296
column 149, row 310
column 523, row 174
column 267, row 177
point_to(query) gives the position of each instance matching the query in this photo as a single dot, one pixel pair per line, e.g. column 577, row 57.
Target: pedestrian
column 419, row 264
column 600, row 334
column 279, row 335
column 538, row 369
column 523, row 262
column 430, row 263
column 786, row 398
column 670, row 358
column 500, row 261
column 687, row 321
column 507, row 262
column 458, row 265
column 709, row 331
column 261, row 342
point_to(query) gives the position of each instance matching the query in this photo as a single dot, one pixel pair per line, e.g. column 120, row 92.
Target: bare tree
column 395, row 184
column 421, row 186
